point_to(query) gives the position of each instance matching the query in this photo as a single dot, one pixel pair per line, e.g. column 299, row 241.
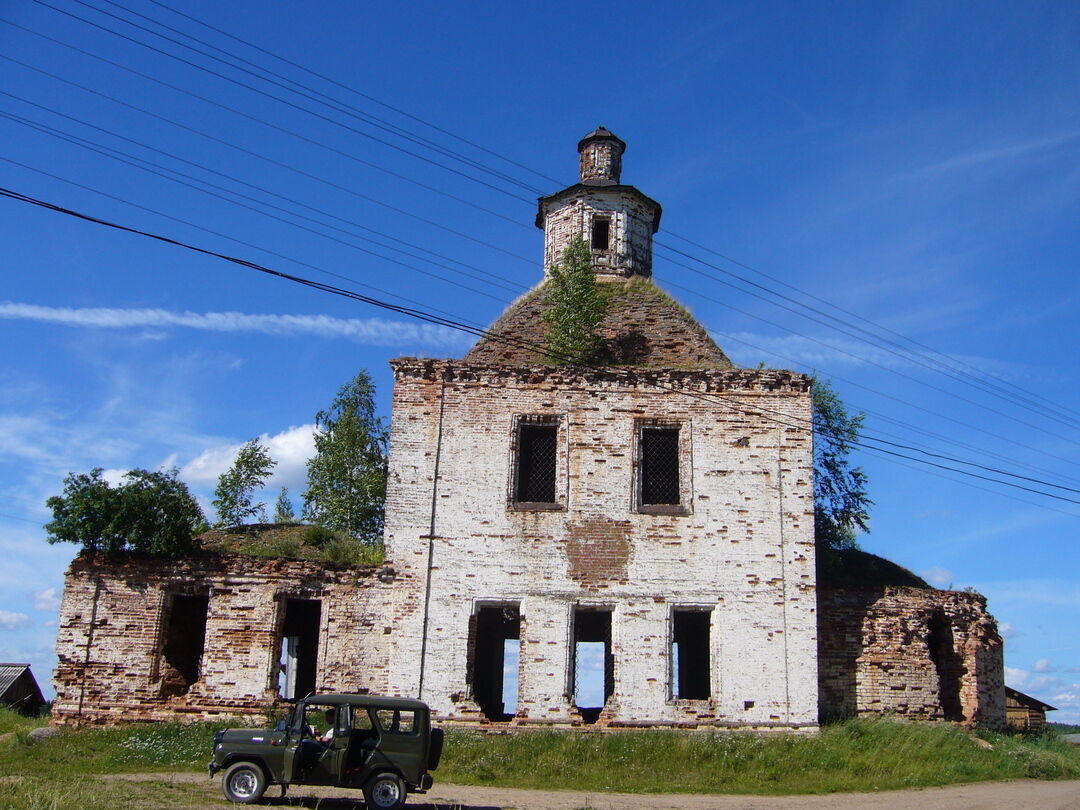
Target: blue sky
column 913, row 164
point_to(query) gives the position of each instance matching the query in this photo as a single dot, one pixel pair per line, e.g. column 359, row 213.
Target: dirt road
column 979, row 796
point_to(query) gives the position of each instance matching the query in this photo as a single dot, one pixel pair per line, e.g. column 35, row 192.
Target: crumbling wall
column 910, row 652
column 739, row 544
column 113, row 639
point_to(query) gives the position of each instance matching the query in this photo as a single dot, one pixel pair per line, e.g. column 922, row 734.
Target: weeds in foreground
column 854, row 755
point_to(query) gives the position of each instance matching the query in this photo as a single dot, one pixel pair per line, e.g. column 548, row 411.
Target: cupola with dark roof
column 643, row 327
column 617, row 220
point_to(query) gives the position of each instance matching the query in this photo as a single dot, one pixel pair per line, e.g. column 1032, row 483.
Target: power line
column 271, row 96
column 448, row 322
column 694, row 258
column 280, row 164
column 356, row 92
column 306, row 91
column 135, row 161
column 78, row 141
column 937, row 365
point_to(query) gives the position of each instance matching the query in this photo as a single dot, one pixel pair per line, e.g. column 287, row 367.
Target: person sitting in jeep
column 384, row 746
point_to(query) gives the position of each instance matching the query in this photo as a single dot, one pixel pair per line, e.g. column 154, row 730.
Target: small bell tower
column 617, row 221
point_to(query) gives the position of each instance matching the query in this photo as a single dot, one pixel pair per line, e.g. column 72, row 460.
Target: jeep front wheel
column 385, row 791
column 243, row 782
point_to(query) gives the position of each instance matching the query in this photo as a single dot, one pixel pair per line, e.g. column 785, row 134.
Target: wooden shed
column 1023, row 712
column 19, row 690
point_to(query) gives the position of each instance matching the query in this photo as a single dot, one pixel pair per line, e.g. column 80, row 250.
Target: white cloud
column 291, row 448
column 370, row 331
column 808, row 352
column 937, row 576
column 1008, row 631
column 12, row 621
column 47, row 600
column 1043, row 665
column 1015, row 677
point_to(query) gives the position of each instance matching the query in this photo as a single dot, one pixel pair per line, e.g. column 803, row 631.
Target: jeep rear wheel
column 385, row 791
column 243, row 782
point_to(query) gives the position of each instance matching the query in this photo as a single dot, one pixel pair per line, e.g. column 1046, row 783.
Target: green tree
column 575, row 306
column 233, row 496
column 150, row 512
column 283, row 508
column 840, row 501
column 347, row 475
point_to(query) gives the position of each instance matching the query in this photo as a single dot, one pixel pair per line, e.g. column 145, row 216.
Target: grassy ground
column 859, row 755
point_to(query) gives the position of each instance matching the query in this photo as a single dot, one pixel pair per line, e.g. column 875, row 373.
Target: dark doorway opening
column 593, row 664
column 690, row 656
column 949, row 668
column 496, row 647
column 184, row 641
column 299, row 647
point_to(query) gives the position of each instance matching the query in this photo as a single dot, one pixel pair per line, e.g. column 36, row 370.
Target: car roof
column 374, row 701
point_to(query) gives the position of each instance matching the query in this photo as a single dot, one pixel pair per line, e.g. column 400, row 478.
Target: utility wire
column 280, row 164
column 268, row 95
column 428, row 317
column 916, row 380
column 189, row 224
column 491, row 278
column 949, row 369
column 937, row 365
column 356, row 92
column 98, row 148
column 306, row 91
column 941, row 357
column 694, row 258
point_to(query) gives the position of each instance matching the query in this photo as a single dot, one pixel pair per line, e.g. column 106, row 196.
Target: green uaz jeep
column 384, row 746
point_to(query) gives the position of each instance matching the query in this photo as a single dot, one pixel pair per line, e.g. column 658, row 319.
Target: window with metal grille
column 659, row 447
column 601, row 233
column 536, row 460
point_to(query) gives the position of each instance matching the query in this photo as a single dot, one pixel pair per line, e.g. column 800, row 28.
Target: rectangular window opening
column 299, row 647
column 184, row 641
column 496, row 648
column 601, row 233
column 536, row 462
column 690, row 655
column 593, row 665
column 659, row 454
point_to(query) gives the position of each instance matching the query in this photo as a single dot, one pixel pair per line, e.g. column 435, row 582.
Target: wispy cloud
column 46, row 600
column 983, row 155
column 749, row 348
column 9, row 620
column 938, row 577
column 370, row 331
column 291, row 448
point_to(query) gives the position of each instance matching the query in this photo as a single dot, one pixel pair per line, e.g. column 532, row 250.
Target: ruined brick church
column 655, row 513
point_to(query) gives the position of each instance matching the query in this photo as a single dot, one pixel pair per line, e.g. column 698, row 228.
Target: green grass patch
column 855, row 755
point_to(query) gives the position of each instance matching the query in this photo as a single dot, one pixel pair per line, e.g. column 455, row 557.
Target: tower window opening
column 601, row 233
column 593, row 667
column 536, row 463
column 659, row 458
column 690, row 664
column 495, row 648
column 299, row 647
